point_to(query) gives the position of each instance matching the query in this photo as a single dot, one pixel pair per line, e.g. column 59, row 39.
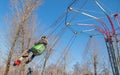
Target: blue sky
column 49, row 11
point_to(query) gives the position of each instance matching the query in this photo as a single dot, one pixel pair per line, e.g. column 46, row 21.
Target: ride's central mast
column 110, row 45
column 110, row 35
column 112, row 57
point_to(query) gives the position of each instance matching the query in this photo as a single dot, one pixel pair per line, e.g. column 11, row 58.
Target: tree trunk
column 46, row 58
column 95, row 65
column 11, row 51
column 22, row 69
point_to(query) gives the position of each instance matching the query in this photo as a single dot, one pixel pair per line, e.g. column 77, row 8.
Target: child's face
column 42, row 38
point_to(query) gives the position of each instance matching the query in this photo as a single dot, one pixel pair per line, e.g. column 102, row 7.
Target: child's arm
column 39, row 42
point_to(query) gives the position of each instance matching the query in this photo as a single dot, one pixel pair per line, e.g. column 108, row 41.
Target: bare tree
column 95, row 62
column 93, row 54
column 48, row 53
column 23, row 14
column 77, row 69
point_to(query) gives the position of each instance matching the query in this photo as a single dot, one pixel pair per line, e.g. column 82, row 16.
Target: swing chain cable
column 109, row 18
column 61, row 17
column 92, row 11
column 49, row 35
column 98, row 19
column 68, row 49
column 68, row 9
column 60, row 35
column 56, row 39
column 92, row 19
column 54, row 24
column 61, row 32
column 79, row 9
column 105, row 6
column 95, row 27
column 73, row 3
column 70, row 43
column 57, row 21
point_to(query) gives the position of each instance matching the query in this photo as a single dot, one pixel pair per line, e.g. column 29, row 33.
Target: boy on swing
column 36, row 50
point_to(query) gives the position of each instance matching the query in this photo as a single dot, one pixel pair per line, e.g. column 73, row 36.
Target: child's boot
column 17, row 62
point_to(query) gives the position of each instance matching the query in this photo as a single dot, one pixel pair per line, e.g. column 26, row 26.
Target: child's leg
column 26, row 54
column 30, row 59
column 18, row 61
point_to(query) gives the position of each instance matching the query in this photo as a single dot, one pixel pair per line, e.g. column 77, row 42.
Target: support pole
column 112, row 58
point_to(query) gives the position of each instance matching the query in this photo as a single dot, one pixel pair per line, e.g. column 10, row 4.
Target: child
column 36, row 50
